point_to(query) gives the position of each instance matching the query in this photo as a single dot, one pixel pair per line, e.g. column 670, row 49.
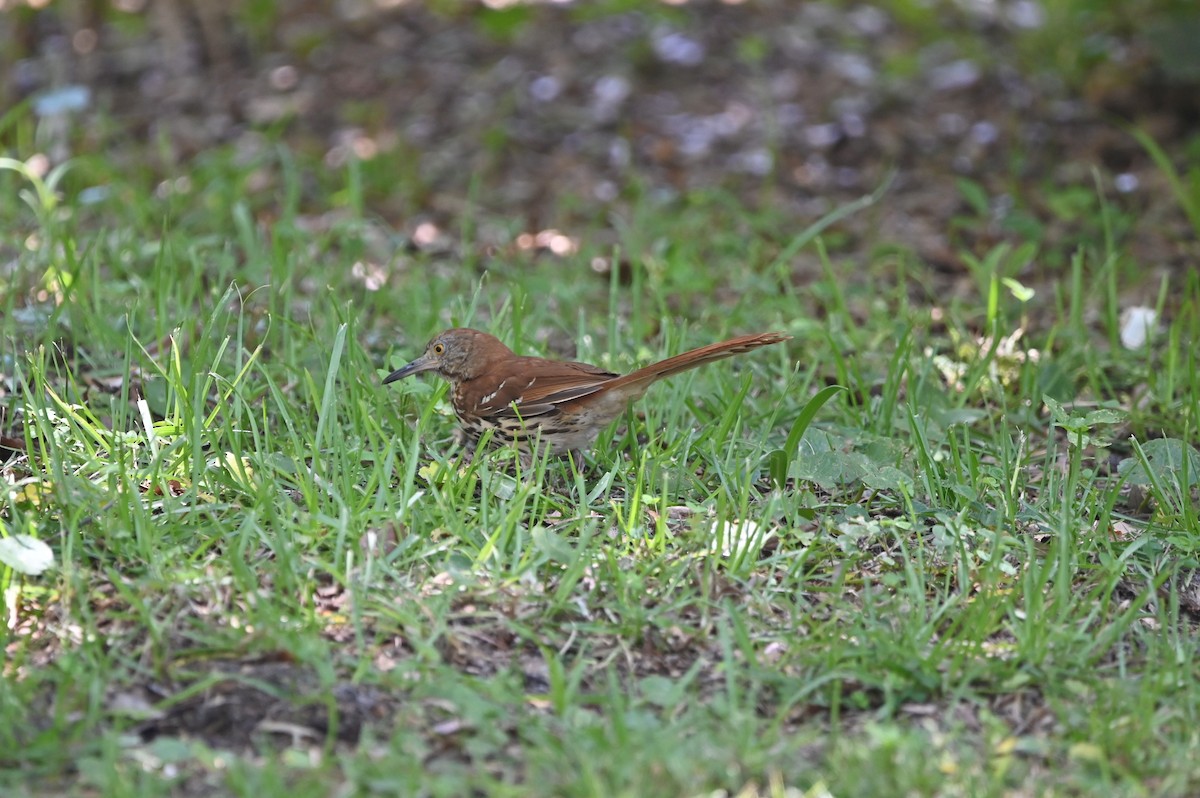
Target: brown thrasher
column 562, row 404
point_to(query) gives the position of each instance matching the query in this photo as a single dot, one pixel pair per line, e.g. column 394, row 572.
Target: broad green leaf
column 1166, row 458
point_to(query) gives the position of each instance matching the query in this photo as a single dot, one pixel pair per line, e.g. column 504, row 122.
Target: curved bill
column 416, row 367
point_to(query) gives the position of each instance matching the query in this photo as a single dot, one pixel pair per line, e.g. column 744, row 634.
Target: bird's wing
column 540, row 387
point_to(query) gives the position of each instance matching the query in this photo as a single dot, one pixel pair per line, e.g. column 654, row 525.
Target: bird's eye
column 439, row 348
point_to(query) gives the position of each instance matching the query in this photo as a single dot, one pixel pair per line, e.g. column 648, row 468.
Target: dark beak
column 422, row 363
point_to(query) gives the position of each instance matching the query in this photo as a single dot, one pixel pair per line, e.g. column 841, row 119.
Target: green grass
column 947, row 589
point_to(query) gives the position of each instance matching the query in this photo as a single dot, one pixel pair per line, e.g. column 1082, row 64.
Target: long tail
column 635, row 383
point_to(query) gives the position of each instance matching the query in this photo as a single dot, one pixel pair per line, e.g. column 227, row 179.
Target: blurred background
column 552, row 121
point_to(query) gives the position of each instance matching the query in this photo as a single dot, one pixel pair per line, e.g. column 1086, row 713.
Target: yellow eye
column 439, row 348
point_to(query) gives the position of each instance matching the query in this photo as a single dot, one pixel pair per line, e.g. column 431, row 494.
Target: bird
column 546, row 406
